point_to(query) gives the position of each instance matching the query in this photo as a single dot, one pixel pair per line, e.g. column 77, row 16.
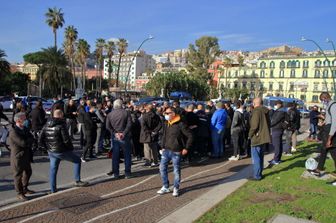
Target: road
column 125, row 200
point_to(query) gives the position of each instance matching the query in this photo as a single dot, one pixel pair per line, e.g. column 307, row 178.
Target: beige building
column 30, row 69
column 302, row 77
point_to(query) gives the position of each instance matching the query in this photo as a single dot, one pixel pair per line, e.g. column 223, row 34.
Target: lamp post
column 331, row 71
column 136, row 53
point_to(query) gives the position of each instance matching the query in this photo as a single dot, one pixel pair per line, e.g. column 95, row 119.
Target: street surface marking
column 129, row 187
column 36, row 216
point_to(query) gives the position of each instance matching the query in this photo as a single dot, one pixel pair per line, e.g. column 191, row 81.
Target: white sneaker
column 334, row 184
column 83, row 160
column 163, row 190
column 234, row 158
column 175, row 192
column 293, row 149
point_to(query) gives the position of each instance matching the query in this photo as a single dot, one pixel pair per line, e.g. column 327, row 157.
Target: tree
column 110, row 48
column 122, row 47
column 4, row 64
column 99, row 52
column 82, row 53
column 55, row 19
column 202, row 55
column 54, row 70
column 71, row 35
column 38, row 59
column 14, row 82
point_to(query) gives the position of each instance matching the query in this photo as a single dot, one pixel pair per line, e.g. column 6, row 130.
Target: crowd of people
column 160, row 134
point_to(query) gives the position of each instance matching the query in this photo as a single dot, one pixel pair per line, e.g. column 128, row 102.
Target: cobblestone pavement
column 123, row 200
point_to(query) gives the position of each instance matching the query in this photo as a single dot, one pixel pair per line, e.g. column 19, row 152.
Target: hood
column 55, row 121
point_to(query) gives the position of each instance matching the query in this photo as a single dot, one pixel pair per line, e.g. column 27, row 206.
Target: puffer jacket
column 55, row 137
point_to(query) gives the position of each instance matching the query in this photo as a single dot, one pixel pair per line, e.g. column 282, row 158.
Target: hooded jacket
column 55, row 137
column 259, row 126
column 150, row 127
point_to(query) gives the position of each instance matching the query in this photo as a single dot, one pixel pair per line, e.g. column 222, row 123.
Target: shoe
column 27, row 191
column 109, row 173
column 154, row 165
column 163, row 190
column 175, row 192
column 81, row 184
column 22, row 197
column 294, row 150
column 288, row 154
column 234, row 158
column 83, row 160
column 128, row 176
column 316, row 172
column 147, row 164
column 254, row 179
column 93, row 157
column 115, row 177
column 334, row 183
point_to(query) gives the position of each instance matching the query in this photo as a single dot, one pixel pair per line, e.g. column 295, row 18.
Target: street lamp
column 332, row 75
column 136, row 53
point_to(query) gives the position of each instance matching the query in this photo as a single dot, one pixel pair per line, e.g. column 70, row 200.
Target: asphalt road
column 91, row 170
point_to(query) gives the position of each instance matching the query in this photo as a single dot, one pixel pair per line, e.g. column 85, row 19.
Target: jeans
column 168, row 155
column 116, row 145
column 237, row 141
column 313, row 131
column 3, row 134
column 217, row 143
column 291, row 140
column 55, row 159
column 257, row 153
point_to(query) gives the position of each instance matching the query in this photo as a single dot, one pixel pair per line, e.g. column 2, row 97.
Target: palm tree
column 4, row 64
column 122, row 47
column 71, row 35
column 83, row 52
column 110, row 48
column 99, row 52
column 54, row 70
column 55, row 19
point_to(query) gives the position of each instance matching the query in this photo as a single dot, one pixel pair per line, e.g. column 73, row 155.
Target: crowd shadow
column 10, row 184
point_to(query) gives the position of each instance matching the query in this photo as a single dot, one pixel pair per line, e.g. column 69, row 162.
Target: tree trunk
column 119, row 62
column 55, row 38
column 84, row 75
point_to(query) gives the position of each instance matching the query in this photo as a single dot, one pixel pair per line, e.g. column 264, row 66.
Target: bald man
column 259, row 134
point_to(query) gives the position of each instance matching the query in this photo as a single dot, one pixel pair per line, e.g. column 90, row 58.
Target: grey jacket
column 119, row 121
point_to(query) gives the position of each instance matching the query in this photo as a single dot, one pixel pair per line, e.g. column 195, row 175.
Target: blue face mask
column 167, row 117
column 26, row 123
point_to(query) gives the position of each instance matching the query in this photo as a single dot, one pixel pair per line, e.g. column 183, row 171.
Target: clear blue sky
column 239, row 25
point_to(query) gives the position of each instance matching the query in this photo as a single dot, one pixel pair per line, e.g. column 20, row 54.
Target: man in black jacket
column 70, row 112
column 38, row 120
column 150, row 127
column 21, row 141
column 90, row 122
column 56, row 140
column 294, row 124
column 173, row 147
column 278, row 124
column 119, row 123
column 80, row 118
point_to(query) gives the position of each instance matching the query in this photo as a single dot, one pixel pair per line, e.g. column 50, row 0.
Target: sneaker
column 288, row 154
column 334, row 183
column 294, row 150
column 81, row 184
column 22, row 197
column 175, row 192
column 128, row 176
column 83, row 160
column 147, row 164
column 154, row 165
column 109, row 173
column 316, row 172
column 115, row 177
column 163, row 190
column 234, row 158
column 27, row 191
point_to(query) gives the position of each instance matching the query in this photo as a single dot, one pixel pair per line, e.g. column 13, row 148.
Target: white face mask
column 275, row 107
column 167, row 117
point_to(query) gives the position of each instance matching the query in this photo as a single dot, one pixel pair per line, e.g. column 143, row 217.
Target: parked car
column 6, row 102
column 47, row 105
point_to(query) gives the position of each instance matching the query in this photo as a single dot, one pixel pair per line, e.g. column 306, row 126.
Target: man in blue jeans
column 260, row 136
column 55, row 138
column 176, row 140
column 218, row 124
column 119, row 123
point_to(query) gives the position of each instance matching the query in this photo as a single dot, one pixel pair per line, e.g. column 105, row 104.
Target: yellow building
column 30, row 69
column 303, row 77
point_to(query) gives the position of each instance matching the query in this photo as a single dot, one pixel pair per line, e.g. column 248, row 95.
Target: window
column 262, row 64
column 325, row 74
column 281, row 74
column 326, row 63
column 317, row 63
column 297, row 63
column 271, row 74
column 270, row 86
column 315, row 87
column 244, row 84
column 334, row 73
column 236, row 73
column 235, row 84
column 272, row 64
column 305, row 73
column 289, row 64
column 282, row 64
column 317, row 74
column 324, row 87
column 315, row 98
column 334, row 62
column 292, row 73
column 280, row 86
column 261, row 86
column 303, row 97
column 291, row 86
column 229, row 74
column 252, row 86
column 262, row 74
column 305, row 63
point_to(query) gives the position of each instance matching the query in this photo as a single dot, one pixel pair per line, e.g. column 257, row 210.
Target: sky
column 248, row 25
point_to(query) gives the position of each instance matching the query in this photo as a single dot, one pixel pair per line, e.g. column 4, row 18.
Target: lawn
column 284, row 191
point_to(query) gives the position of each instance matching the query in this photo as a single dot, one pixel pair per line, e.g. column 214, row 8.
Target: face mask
column 26, row 123
column 167, row 117
column 275, row 107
